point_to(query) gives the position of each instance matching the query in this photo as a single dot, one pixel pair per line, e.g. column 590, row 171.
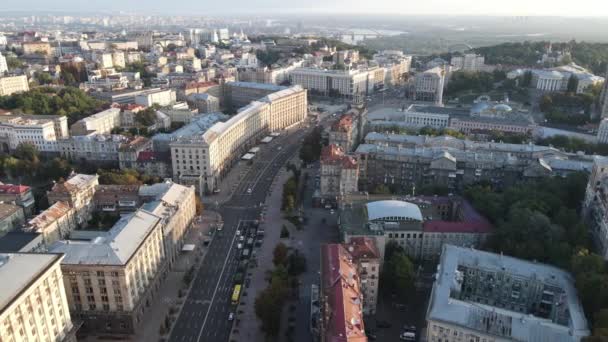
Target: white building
column 205, row 103
column 10, row 85
column 602, row 132
column 349, row 83
column 469, row 62
column 93, row 147
column 481, row 296
column 3, row 65
column 162, row 98
column 101, row 123
column 33, row 301
column 15, row 130
column 428, row 85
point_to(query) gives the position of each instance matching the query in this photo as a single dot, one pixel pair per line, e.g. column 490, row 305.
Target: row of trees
column 125, row 177
column 69, row 101
column 312, row 146
column 26, row 164
column 398, row 274
column 283, row 279
column 474, row 82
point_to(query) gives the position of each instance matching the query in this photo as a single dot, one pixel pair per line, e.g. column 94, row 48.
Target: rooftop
column 7, row 210
column 15, row 240
column 393, row 210
column 334, row 154
column 18, row 271
column 263, row 86
column 115, row 247
column 47, row 217
column 13, row 189
column 75, row 183
column 565, row 321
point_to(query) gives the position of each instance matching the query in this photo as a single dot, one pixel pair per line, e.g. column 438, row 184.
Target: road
column 204, row 316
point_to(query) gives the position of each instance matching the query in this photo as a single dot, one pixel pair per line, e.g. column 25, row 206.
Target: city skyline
column 584, row 8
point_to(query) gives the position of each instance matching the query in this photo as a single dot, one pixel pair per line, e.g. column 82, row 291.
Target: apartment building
column 603, row 101
column 77, row 192
column 101, row 123
column 3, row 65
column 396, row 63
column 54, row 223
column 420, row 225
column 204, row 103
column 347, row 83
column 31, row 129
column 469, row 62
column 130, row 149
column 367, row 258
column 428, row 85
column 10, row 85
column 123, row 97
column 240, row 94
column 482, row 296
column 94, row 148
column 109, row 280
column 402, row 162
column 11, row 217
column 33, row 48
column 341, row 316
column 339, row 173
column 33, row 303
column 202, row 157
column 595, row 206
column 21, row 195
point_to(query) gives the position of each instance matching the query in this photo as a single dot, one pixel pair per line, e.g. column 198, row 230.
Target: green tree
column 572, row 84
column 398, row 275
column 44, row 78
column 279, row 255
column 296, row 264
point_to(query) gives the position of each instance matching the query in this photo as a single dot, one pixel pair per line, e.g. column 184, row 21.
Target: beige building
column 101, row 123
column 428, row 85
column 11, row 217
column 33, row 304
column 162, row 98
column 203, row 159
column 13, row 84
column 41, row 48
column 469, row 62
column 602, row 132
column 367, row 258
column 32, row 129
column 77, row 192
column 55, row 223
column 339, row 173
column 348, row 83
column 110, row 280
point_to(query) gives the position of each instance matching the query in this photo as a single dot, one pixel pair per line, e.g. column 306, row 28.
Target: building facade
column 367, row 258
column 10, row 85
column 54, row 223
column 428, row 86
column 21, row 195
column 100, row 123
column 39, row 132
column 77, row 192
column 347, row 83
column 339, row 173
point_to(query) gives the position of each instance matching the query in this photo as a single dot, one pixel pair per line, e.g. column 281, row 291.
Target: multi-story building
column 77, row 192
column 240, row 94
column 116, row 198
column 93, row 147
column 367, row 258
column 36, row 130
column 109, row 279
column 557, row 79
column 11, row 217
column 420, row 225
column 19, row 241
column 602, row 131
column 349, row 130
column 397, row 65
column 162, row 98
column 175, row 204
column 428, row 86
column 348, row 83
column 469, row 62
column 37, row 48
column 603, row 102
column 123, row 96
column 54, row 223
column 266, row 75
column 33, row 304
column 21, row 195
column 341, row 316
column 339, row 173
column 402, row 162
column 3, row 65
column 204, row 103
column 100, row 123
column 10, row 85
column 595, row 206
column 482, row 296
column 202, row 158
column 129, row 151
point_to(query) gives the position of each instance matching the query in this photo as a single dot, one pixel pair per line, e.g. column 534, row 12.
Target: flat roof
column 114, row 247
column 520, row 326
column 15, row 240
column 19, row 270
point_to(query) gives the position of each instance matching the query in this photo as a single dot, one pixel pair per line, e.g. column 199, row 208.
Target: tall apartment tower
column 604, row 98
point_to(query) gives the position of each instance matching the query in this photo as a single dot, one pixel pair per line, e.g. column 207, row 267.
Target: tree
column 146, row 117
column 296, row 264
column 269, row 306
column 381, row 189
column 397, row 278
column 546, row 103
column 280, row 254
column 27, row 151
column 198, row 204
column 572, row 84
column 44, row 78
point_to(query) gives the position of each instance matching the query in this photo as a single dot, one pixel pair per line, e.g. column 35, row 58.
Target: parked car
column 231, row 316
column 383, row 324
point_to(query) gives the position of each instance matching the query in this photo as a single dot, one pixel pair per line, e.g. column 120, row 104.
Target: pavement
column 204, row 315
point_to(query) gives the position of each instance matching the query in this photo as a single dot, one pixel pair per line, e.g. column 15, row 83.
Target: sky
column 442, row 7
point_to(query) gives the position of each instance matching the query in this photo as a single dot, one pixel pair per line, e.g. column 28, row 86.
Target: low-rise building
column 11, row 217
column 109, row 280
column 33, row 303
column 481, row 296
column 205, row 103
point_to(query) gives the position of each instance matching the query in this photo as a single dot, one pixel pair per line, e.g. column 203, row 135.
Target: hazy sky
column 472, row 7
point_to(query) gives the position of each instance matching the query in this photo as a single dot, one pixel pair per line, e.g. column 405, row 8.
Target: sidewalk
column 169, row 301
column 247, row 327
column 227, row 185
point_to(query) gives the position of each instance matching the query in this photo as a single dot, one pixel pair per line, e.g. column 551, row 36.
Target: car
column 239, row 245
column 249, row 190
column 241, row 238
column 331, row 211
column 409, row 328
column 247, row 282
column 216, row 191
column 407, row 336
column 371, row 336
column 231, row 316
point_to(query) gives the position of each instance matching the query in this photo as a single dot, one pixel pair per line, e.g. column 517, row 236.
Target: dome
column 479, row 108
column 503, row 108
column 393, row 210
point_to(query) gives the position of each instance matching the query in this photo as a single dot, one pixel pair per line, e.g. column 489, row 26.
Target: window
column 92, row 307
column 100, row 274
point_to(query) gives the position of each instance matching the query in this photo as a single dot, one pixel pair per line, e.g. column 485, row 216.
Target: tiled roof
column 333, row 154
column 13, row 189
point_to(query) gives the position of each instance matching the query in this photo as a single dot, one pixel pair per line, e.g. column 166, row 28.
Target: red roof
column 145, row 156
column 363, row 248
column 13, row 189
column 194, row 85
column 333, row 154
column 344, row 124
column 472, row 222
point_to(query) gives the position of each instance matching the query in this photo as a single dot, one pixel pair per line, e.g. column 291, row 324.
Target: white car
column 249, row 190
column 231, row 316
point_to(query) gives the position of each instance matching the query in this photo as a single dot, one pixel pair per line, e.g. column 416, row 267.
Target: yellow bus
column 236, row 294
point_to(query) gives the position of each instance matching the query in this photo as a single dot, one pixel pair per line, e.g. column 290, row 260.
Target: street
column 204, row 316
